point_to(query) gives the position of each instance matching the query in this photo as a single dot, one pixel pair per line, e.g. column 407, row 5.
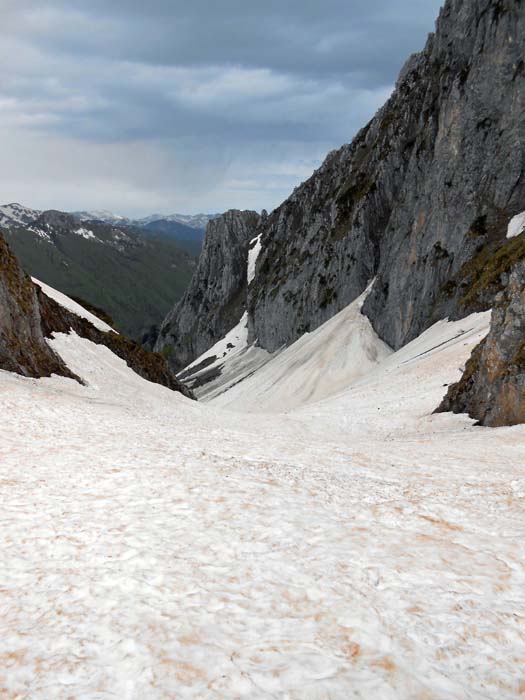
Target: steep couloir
column 215, row 300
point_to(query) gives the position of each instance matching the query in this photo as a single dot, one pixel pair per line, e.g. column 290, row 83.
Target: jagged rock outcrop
column 428, row 186
column 23, row 348
column 492, row 388
column 215, row 300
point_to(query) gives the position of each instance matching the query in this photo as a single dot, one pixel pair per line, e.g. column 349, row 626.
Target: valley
column 278, row 454
column 133, row 274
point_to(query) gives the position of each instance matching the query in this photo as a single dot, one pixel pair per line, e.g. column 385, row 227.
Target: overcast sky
column 189, row 105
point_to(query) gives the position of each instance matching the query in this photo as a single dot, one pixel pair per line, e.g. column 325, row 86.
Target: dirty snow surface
column 232, row 358
column 358, row 547
column 316, row 366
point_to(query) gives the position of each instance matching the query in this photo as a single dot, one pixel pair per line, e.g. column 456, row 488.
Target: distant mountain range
column 195, row 221
column 187, row 229
column 134, row 273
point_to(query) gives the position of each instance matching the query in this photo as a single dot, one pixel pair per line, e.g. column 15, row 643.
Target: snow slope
column 253, row 254
column 233, row 342
column 71, row 305
column 359, row 547
column 230, row 360
column 317, row 365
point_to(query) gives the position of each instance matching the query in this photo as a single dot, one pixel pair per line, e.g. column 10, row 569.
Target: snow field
column 356, row 547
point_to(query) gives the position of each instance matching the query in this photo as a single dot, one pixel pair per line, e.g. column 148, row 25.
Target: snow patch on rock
column 516, row 225
column 253, row 254
column 40, row 233
column 231, row 356
column 84, row 232
column 72, row 306
column 234, row 341
column 17, row 214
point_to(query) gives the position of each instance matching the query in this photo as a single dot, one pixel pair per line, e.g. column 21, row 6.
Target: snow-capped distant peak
column 101, row 215
column 196, row 221
column 15, row 214
column 148, row 219
column 193, row 221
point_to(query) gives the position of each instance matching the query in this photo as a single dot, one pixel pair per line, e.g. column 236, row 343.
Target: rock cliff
column 215, row 300
column 422, row 190
column 23, row 348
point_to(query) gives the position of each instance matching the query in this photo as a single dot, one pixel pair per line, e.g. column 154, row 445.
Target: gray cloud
column 191, row 106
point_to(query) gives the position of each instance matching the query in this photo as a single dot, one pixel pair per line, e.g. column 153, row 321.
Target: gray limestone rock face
column 468, row 179
column 23, row 348
column 215, row 299
column 492, row 388
column 423, row 189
